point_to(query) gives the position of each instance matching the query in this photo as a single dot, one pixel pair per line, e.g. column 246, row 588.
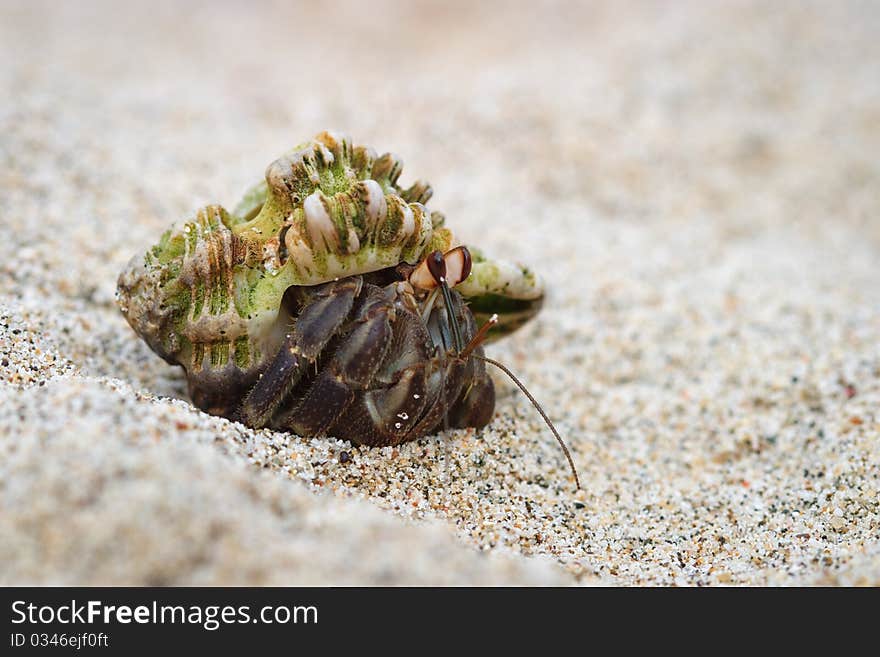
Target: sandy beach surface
column 697, row 182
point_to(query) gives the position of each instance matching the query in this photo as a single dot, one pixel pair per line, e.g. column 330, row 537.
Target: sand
column 698, row 184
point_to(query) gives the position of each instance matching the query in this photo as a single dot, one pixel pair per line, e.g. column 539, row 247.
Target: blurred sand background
column 698, row 182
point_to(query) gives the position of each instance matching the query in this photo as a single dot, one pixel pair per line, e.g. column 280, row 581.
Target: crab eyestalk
column 444, row 271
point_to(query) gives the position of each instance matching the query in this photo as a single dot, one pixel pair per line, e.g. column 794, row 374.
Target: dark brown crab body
column 307, row 309
column 361, row 363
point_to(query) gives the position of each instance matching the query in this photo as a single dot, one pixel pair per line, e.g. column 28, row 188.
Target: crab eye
column 429, row 271
column 436, row 266
column 458, row 265
column 454, row 266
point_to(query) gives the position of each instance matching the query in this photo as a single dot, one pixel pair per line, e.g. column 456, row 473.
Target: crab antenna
column 480, row 337
column 537, row 406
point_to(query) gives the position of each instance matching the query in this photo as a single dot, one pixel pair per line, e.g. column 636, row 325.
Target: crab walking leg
column 398, row 394
column 351, row 369
column 324, row 310
column 386, row 414
column 475, row 406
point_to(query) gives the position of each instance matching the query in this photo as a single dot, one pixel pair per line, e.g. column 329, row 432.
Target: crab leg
column 350, row 371
column 323, row 313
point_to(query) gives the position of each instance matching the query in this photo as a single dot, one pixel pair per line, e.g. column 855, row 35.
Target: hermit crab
column 330, row 301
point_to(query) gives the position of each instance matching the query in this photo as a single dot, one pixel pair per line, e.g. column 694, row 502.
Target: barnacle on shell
column 209, row 294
